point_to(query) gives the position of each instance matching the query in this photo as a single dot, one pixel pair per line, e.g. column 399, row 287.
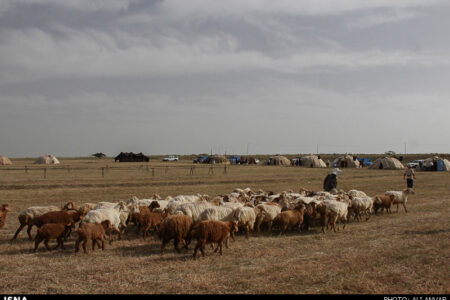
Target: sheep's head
column 106, row 224
column 153, row 205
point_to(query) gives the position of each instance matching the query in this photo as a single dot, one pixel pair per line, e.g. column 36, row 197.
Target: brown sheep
column 4, row 209
column 212, row 231
column 177, row 227
column 94, row 232
column 290, row 218
column 152, row 220
column 49, row 232
column 60, row 217
column 383, row 202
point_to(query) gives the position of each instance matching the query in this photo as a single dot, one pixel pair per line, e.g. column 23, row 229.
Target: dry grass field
column 391, row 253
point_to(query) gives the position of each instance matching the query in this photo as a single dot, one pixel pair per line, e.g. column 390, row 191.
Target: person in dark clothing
column 330, row 181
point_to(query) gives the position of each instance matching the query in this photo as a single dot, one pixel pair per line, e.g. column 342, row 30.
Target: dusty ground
column 396, row 253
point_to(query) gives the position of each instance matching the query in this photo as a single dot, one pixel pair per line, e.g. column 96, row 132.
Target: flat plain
column 390, row 253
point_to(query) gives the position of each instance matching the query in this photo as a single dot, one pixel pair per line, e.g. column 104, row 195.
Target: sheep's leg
column 47, row 245
column 84, row 246
column 103, row 243
column 404, row 206
column 38, row 240
column 77, row 245
column 220, row 245
column 163, row 245
column 29, row 231
column 397, row 208
column 18, row 230
column 94, row 242
column 196, row 249
column 175, row 245
column 247, row 231
column 59, row 240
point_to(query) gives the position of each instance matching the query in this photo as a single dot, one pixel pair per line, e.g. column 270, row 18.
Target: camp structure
column 346, row 161
column 387, row 163
column 312, row 161
column 131, row 157
column 435, row 163
column 216, row 159
column 278, row 160
column 4, row 160
column 47, row 159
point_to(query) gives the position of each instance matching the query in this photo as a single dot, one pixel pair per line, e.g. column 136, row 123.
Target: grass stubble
column 394, row 253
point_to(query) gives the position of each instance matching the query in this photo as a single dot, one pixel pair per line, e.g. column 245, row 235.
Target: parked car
column 171, row 158
column 415, row 163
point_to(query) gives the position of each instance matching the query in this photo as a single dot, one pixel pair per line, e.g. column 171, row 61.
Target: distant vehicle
column 415, row 163
column 171, row 158
column 390, row 152
column 200, row 159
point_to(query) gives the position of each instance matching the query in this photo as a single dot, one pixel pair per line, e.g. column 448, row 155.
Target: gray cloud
column 188, row 77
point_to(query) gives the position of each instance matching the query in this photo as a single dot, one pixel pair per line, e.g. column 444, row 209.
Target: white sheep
column 117, row 215
column 218, row 213
column 336, row 211
column 27, row 216
column 192, row 210
column 265, row 214
column 356, row 193
column 400, row 197
column 245, row 217
column 361, row 206
column 174, row 202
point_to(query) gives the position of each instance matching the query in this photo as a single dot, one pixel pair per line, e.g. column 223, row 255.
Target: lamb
column 245, row 217
column 177, row 227
column 146, row 202
column 266, row 212
column 51, row 231
column 384, row 202
column 100, row 215
column 26, row 217
column 94, row 232
column 212, row 231
column 400, row 197
column 4, row 209
column 290, row 218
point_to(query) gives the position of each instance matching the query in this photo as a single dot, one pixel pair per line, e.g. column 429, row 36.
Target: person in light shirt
column 409, row 175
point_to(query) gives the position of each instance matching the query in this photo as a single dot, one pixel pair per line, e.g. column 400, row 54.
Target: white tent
column 436, row 163
column 47, row 159
column 386, row 163
column 4, row 160
column 346, row 161
column 312, row 161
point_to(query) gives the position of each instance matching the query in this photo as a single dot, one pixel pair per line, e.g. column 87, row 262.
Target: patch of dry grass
column 396, row 253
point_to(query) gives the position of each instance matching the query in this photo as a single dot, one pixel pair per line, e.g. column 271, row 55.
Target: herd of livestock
column 209, row 221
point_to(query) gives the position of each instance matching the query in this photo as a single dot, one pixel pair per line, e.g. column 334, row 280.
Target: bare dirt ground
column 391, row 253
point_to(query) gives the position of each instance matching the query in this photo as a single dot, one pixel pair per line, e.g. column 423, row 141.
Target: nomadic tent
column 4, row 160
column 386, row 163
column 312, row 161
column 435, row 163
column 278, row 160
column 47, row 159
column 216, row 159
column 346, row 161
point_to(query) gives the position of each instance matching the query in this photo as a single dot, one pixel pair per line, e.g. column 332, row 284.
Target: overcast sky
column 263, row 76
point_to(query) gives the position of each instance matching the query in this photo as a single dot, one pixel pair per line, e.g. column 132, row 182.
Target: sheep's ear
column 6, row 207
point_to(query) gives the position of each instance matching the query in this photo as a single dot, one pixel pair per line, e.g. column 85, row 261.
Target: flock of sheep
column 209, row 221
